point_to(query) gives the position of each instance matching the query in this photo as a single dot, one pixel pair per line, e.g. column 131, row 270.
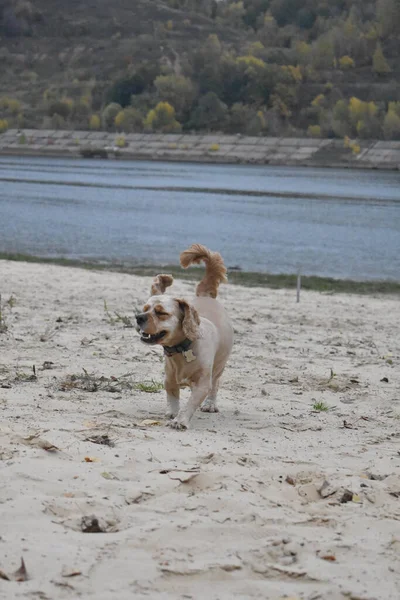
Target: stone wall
column 202, row 148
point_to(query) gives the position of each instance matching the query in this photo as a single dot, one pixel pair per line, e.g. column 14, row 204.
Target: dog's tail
column 215, row 268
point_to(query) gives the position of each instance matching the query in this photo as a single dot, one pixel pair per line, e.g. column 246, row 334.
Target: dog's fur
column 169, row 321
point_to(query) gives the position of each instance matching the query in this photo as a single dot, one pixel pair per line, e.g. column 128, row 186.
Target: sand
column 270, row 498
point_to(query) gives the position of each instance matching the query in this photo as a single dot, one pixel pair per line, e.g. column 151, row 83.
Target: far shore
column 236, row 276
column 204, row 148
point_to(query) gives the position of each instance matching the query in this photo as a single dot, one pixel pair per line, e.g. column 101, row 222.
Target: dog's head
column 165, row 320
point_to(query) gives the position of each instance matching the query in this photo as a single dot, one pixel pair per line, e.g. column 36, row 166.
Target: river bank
column 224, row 149
column 236, row 277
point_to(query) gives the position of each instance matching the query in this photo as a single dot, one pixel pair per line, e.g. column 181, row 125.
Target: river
column 327, row 222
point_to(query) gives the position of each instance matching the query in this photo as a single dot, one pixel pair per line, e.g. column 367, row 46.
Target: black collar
column 179, row 348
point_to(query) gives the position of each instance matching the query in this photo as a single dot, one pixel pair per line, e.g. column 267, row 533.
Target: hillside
column 269, row 67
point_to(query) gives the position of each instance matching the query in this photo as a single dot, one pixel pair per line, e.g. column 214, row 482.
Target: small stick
column 298, row 286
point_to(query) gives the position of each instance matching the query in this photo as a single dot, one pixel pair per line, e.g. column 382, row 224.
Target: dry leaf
column 69, row 495
column 4, row 576
column 21, row 574
column 149, row 422
column 108, row 475
column 356, row 498
column 70, row 572
column 91, row 459
column 182, row 476
column 329, row 557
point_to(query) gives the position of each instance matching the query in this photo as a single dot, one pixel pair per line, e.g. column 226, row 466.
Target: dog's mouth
column 148, row 338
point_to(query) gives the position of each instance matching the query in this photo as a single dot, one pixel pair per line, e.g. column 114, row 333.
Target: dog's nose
column 140, row 319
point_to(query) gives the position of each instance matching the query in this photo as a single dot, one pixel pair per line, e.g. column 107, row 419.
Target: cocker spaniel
column 197, row 336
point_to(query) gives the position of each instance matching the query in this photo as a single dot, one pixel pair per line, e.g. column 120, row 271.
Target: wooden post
column 298, row 285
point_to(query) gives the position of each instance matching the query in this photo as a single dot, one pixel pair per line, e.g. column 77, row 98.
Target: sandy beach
column 291, row 491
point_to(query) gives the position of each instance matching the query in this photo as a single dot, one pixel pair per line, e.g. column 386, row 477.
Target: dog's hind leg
column 210, row 403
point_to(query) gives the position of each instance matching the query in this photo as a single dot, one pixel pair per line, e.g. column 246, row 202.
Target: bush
column 379, row 63
column 61, row 108
column 314, row 131
column 121, row 141
column 109, row 113
column 346, row 62
column 214, row 148
column 94, row 123
column 129, row 120
column 3, row 125
column 391, row 125
column 162, row 118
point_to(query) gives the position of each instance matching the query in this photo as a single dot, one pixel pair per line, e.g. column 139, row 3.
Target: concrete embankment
column 203, row 148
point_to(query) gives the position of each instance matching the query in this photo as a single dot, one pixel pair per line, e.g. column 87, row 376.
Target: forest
column 256, row 67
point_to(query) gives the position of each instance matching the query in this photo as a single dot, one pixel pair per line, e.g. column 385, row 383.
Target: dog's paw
column 170, row 415
column 179, row 424
column 209, row 406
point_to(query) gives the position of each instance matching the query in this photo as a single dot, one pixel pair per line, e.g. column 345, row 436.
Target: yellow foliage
column 119, row 119
column 346, row 62
column 169, row 25
column 162, row 118
column 94, row 122
column 294, row 72
column 3, row 125
column 255, row 48
column 314, row 131
column 303, row 48
column 359, row 109
column 355, row 148
column 13, row 106
column 214, row 148
column 261, row 119
column 318, row 100
column 68, row 101
column 121, row 141
column 379, row 63
column 251, row 61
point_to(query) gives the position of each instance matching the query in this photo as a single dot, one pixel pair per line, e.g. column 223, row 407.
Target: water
column 336, row 223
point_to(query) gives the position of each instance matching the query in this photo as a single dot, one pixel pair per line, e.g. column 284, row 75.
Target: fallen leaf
column 69, row 495
column 290, row 480
column 329, row 557
column 4, row 576
column 356, row 498
column 91, row 459
column 149, row 422
column 108, row 475
column 21, row 574
column 183, row 476
column 71, row 572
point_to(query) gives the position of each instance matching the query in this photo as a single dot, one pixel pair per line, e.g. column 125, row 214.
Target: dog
column 197, row 337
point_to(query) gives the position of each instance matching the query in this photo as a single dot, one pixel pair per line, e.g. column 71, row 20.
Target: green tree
column 129, row 120
column 108, row 115
column 209, row 114
column 177, row 90
column 379, row 62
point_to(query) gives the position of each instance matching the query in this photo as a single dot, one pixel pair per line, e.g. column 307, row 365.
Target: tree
column 109, row 113
column 177, row 90
column 94, row 122
column 379, row 63
column 162, row 118
column 129, row 120
column 209, row 114
column 391, row 122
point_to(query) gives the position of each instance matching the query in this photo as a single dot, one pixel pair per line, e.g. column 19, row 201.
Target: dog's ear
column 191, row 320
column 160, row 284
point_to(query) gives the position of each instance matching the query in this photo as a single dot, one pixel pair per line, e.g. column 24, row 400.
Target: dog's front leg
column 172, row 389
column 199, row 393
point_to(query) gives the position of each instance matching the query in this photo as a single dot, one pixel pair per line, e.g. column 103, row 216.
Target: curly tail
column 215, row 268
